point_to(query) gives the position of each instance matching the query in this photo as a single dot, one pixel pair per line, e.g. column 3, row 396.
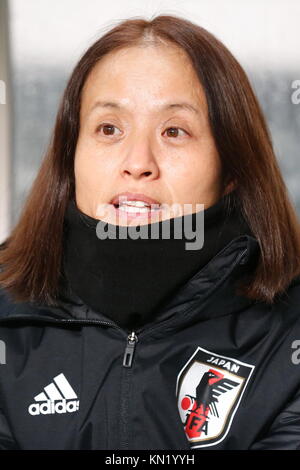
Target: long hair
column 32, row 255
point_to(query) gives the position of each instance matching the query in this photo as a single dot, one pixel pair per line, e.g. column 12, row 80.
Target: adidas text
column 51, row 407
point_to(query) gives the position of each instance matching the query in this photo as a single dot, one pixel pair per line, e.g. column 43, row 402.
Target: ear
column 229, row 187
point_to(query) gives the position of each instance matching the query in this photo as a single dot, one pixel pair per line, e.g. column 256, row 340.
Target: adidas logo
column 58, row 397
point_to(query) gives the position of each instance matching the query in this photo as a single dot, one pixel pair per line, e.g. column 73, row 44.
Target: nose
column 140, row 162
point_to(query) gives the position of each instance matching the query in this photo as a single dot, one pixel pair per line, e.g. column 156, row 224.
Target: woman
column 124, row 342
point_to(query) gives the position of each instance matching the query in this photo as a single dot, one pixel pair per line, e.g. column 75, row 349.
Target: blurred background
column 41, row 41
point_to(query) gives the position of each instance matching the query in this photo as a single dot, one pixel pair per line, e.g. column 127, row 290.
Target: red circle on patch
column 185, row 403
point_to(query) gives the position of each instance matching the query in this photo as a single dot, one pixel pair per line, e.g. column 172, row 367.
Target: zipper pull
column 129, row 351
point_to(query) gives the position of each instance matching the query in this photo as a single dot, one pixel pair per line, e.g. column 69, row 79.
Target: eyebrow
column 115, row 105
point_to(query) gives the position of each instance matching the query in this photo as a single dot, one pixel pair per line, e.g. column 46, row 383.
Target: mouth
column 132, row 211
column 131, row 206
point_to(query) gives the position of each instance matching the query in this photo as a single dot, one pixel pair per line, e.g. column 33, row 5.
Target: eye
column 108, row 129
column 176, row 129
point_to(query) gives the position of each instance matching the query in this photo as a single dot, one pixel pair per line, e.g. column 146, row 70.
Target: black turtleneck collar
column 129, row 280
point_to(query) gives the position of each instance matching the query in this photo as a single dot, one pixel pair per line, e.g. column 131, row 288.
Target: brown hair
column 32, row 254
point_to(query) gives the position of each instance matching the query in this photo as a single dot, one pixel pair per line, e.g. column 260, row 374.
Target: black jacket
column 215, row 371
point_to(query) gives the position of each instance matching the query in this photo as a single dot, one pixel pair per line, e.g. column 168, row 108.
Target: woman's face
column 145, row 141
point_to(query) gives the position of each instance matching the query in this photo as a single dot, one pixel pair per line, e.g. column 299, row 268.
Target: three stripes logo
column 58, row 397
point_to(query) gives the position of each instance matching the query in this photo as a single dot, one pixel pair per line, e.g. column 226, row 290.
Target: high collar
column 130, row 278
column 211, row 292
column 228, row 240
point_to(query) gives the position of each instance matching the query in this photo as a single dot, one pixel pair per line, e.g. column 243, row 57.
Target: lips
column 135, row 207
column 127, row 197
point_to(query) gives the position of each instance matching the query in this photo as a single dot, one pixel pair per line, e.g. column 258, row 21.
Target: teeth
column 136, row 206
column 126, row 208
column 135, row 203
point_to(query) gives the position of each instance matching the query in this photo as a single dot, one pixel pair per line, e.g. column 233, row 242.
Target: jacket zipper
column 125, row 391
column 129, row 350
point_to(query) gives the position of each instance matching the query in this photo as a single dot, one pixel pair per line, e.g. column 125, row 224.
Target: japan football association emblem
column 209, row 389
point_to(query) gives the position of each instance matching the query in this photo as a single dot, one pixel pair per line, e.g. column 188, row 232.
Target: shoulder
column 291, row 296
column 9, row 307
column 286, row 311
column 7, row 304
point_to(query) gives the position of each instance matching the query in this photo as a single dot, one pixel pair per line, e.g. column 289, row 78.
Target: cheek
column 210, row 170
column 207, row 163
column 84, row 168
column 205, row 169
column 89, row 164
column 201, row 175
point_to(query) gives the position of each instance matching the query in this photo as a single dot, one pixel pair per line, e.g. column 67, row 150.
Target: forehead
column 143, row 78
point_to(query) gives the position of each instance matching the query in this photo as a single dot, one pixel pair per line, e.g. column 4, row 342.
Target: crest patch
column 209, row 389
